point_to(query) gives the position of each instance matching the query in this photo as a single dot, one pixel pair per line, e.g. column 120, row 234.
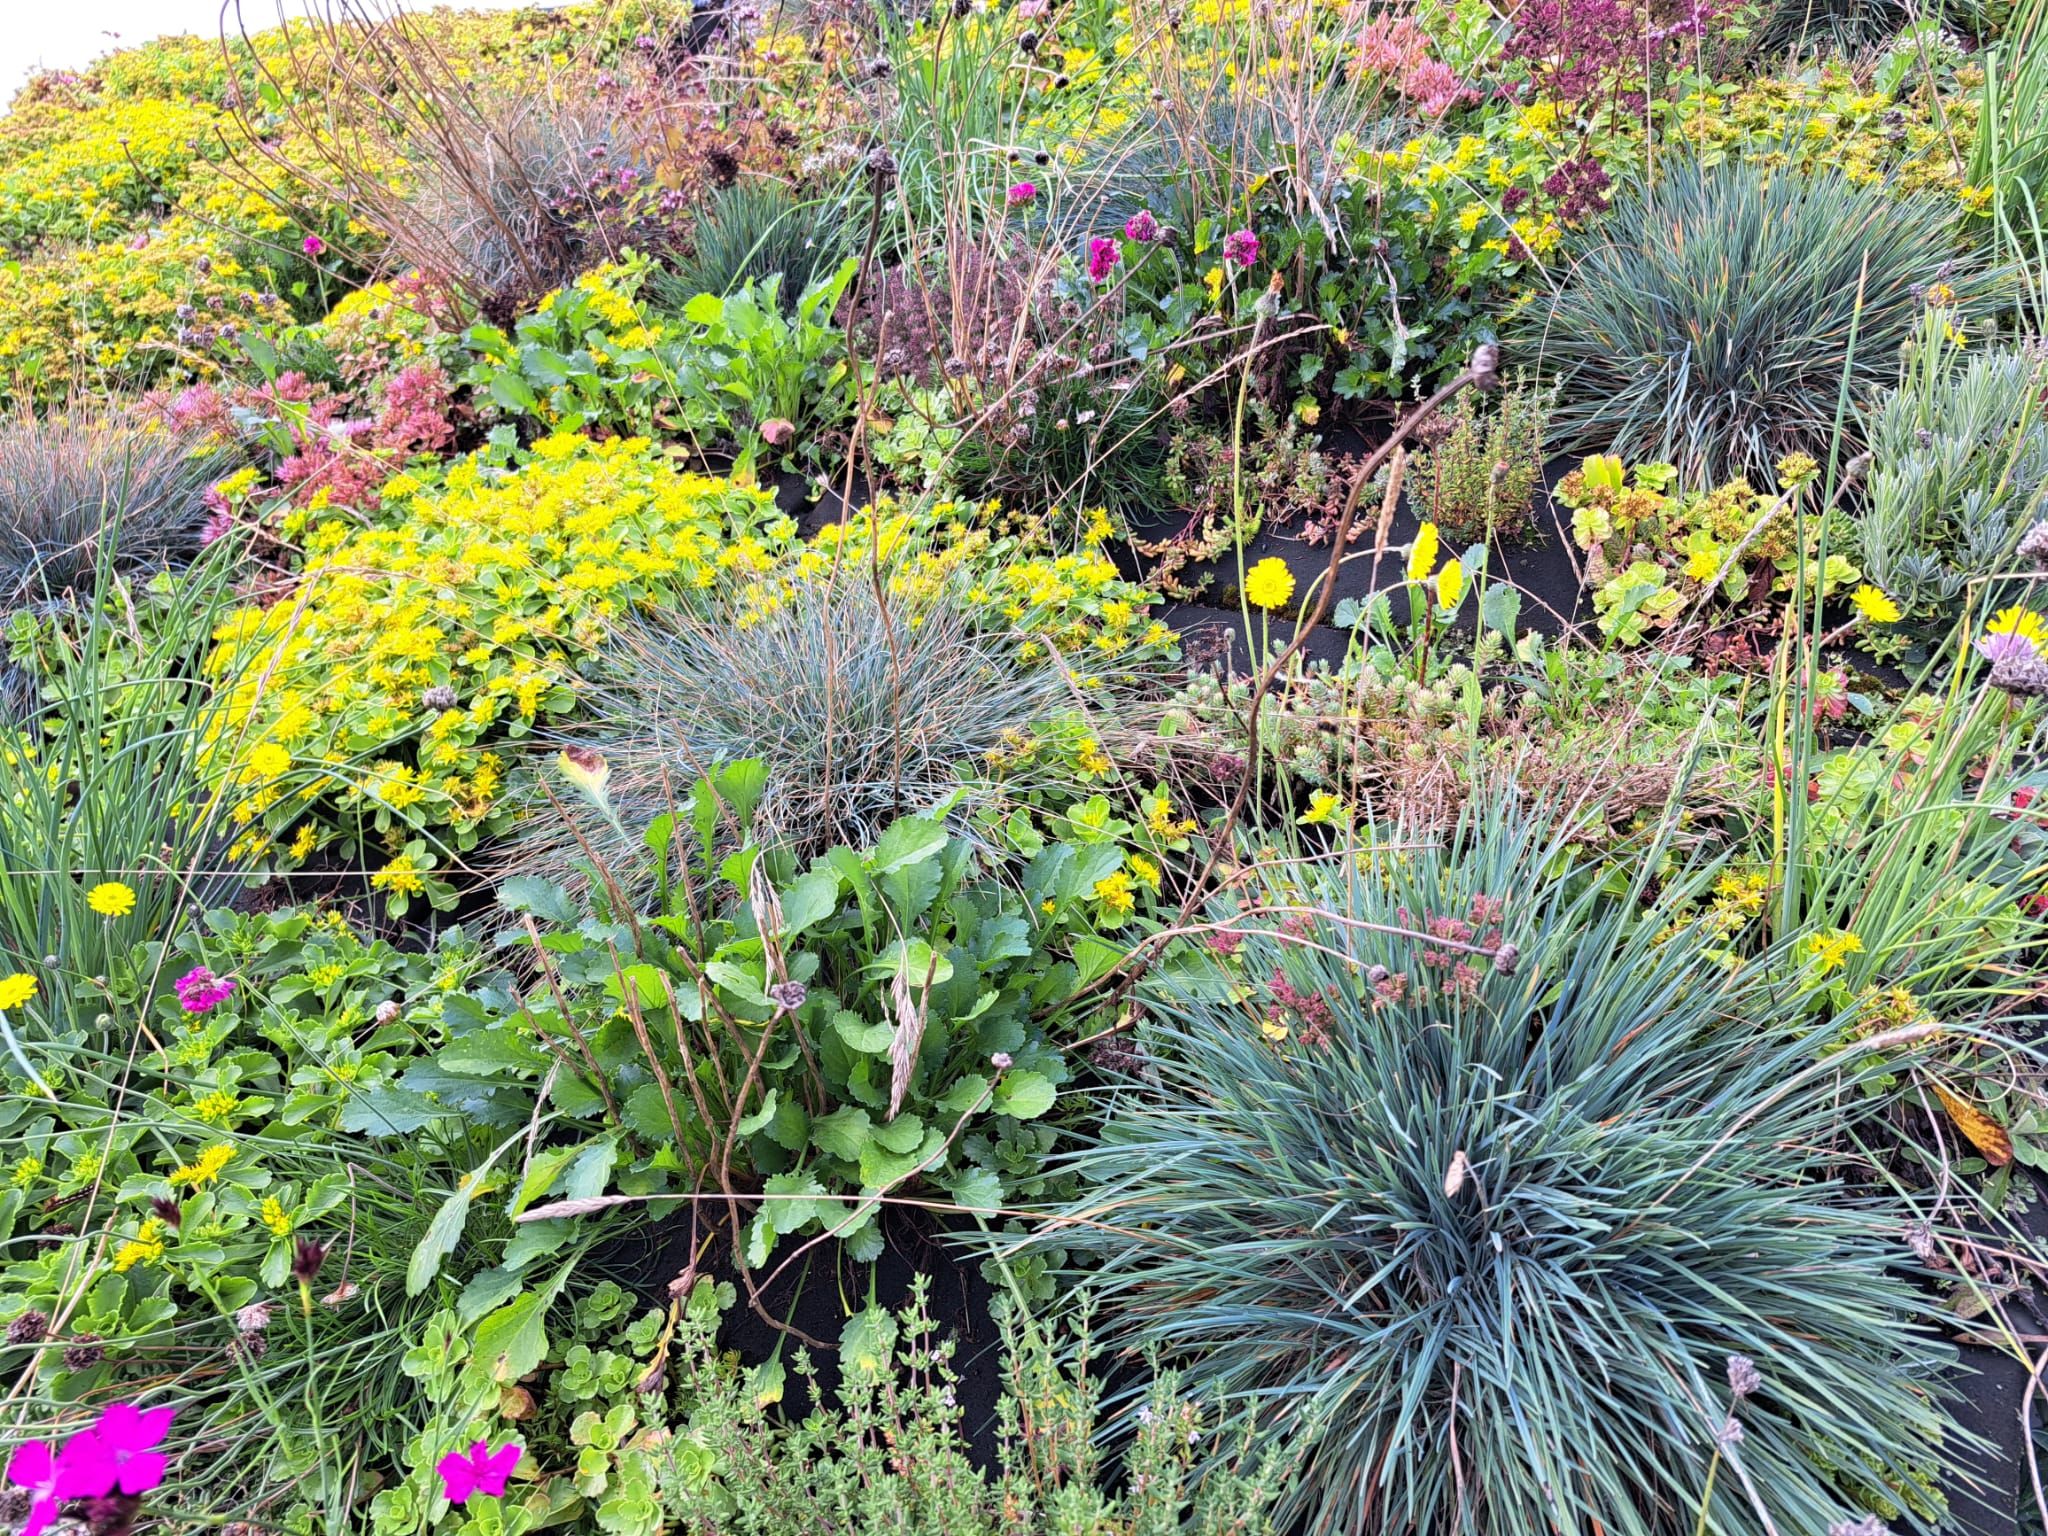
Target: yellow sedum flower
column 1323, row 808
column 1831, row 951
column 206, row 1168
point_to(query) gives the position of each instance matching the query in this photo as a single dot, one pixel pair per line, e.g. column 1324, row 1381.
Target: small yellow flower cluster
column 146, row 1247
column 1826, row 118
column 206, row 1168
column 414, row 645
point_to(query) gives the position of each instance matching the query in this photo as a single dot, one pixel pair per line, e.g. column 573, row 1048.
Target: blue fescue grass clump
column 1711, row 319
column 1469, row 1180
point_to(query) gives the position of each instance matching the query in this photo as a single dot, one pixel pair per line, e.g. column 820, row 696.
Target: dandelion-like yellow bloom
column 1269, row 584
column 16, row 990
column 1450, row 586
column 111, row 898
column 2024, row 622
column 1422, row 556
column 1872, row 603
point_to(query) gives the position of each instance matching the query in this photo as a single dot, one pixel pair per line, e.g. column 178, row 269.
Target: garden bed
column 1027, row 770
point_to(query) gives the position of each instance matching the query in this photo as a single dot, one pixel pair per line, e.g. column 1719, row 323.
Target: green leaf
column 646, row 1114
column 1024, row 1095
column 388, row 1110
column 1093, row 958
column 514, row 393
column 873, row 1039
column 759, row 1118
column 543, row 898
column 868, row 1341
column 809, row 900
column 903, row 1134
column 905, row 842
column 445, row 1230
column 978, row 1190
column 512, row 1342
column 843, row 1134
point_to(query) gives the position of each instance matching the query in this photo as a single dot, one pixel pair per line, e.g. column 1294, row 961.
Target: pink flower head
column 220, row 523
column 1022, row 192
column 1240, row 247
column 1141, row 227
column 313, row 245
column 200, row 991
column 477, row 1470
column 81, row 1470
column 129, row 1437
column 2007, row 646
column 1434, row 87
column 1103, row 254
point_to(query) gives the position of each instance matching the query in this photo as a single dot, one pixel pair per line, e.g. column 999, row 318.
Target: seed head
column 1743, row 1376
column 30, row 1327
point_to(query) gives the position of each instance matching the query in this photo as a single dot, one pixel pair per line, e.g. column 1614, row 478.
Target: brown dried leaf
column 1985, row 1133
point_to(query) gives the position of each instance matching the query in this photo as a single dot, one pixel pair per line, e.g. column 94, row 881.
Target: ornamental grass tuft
column 1480, row 1238
column 1710, row 321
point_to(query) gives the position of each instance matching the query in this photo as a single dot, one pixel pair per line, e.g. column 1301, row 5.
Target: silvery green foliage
column 1959, row 469
column 1475, row 1220
column 91, row 493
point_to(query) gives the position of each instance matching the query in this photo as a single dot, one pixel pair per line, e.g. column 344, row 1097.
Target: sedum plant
column 1959, row 469
column 1501, row 1203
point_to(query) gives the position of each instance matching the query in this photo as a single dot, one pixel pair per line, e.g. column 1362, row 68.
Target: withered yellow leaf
column 1985, row 1133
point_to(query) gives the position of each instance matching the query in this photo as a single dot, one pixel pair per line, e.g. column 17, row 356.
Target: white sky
column 68, row 34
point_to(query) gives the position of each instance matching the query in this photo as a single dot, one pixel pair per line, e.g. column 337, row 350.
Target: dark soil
column 1543, row 566
column 819, row 1293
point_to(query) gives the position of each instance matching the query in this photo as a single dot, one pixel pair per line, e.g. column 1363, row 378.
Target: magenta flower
column 478, row 1470
column 1021, row 193
column 200, row 991
column 129, row 1437
column 1240, row 247
column 83, row 1469
column 313, row 245
column 1141, row 227
column 1103, row 254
